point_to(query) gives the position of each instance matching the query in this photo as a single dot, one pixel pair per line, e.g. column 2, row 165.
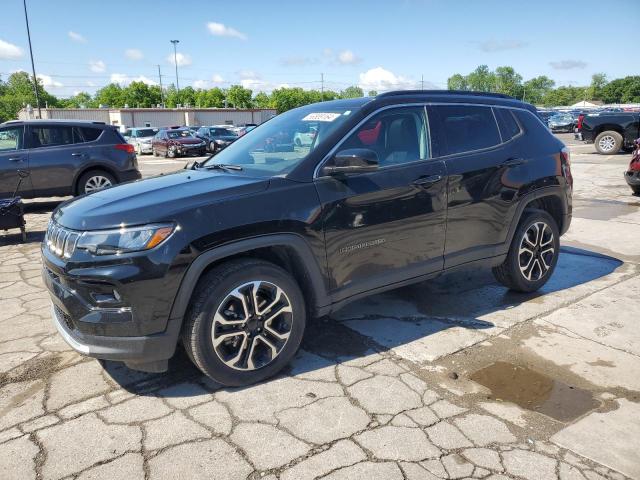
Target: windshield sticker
column 321, row 117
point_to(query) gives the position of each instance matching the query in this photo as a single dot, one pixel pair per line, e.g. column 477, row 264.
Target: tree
column 508, row 82
column 262, row 100
column 622, row 90
column 17, row 92
column 457, row 82
column 79, row 100
column 564, row 96
column 598, row 81
column 352, row 92
column 239, row 97
column 535, row 89
column 110, row 96
column 482, row 80
column 284, row 99
column 141, row 95
column 372, row 93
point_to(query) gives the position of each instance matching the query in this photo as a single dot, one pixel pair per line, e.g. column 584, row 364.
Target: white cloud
column 133, row 54
column 500, row 45
column 48, row 82
column 216, row 78
column 200, row 84
column 97, row 66
column 380, row 79
column 181, row 59
column 568, row 64
column 221, row 30
column 9, row 51
column 347, row 57
column 123, row 79
column 76, row 37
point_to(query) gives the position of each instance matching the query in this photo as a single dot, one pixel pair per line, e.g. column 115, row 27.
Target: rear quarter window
column 508, row 124
column 465, row 128
column 90, row 134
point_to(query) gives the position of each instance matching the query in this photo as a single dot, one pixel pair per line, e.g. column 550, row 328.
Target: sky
column 379, row 45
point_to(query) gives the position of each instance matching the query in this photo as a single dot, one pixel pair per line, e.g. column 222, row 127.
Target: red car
column 632, row 175
column 175, row 142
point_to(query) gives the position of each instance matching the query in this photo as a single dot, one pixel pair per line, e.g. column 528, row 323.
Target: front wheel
column 533, row 254
column 608, row 143
column 212, row 147
column 245, row 322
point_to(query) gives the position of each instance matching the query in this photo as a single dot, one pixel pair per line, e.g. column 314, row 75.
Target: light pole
column 175, row 60
column 33, row 66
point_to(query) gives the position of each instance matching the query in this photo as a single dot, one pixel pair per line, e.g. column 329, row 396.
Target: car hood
column 226, row 138
column 156, row 199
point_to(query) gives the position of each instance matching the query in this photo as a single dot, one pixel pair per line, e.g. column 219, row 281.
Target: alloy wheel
column 252, row 325
column 95, row 183
column 607, row 143
column 536, row 251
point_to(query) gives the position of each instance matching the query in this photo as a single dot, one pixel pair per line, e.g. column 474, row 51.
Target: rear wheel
column 533, row 254
column 212, row 147
column 245, row 322
column 608, row 143
column 95, row 180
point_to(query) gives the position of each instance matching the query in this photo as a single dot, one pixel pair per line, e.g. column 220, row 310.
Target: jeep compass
column 230, row 257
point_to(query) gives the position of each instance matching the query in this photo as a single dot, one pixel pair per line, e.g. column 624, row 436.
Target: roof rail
column 394, row 93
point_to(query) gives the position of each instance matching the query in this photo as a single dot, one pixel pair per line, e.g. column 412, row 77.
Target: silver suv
column 140, row 138
column 63, row 157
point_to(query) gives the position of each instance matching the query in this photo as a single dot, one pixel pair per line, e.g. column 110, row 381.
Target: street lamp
column 175, row 60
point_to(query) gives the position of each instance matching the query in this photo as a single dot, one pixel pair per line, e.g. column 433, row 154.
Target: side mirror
column 353, row 160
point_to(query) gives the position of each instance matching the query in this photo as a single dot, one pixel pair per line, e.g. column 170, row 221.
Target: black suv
column 231, row 256
column 217, row 138
column 63, row 157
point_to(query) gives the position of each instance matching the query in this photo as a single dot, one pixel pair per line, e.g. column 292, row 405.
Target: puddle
column 535, row 391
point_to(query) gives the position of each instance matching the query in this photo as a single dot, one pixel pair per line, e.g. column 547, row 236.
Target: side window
column 397, row 135
column 466, row 128
column 90, row 134
column 509, row 126
column 11, row 138
column 51, row 136
column 128, row 133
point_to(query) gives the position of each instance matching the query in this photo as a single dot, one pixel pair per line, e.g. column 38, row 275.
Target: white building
column 155, row 117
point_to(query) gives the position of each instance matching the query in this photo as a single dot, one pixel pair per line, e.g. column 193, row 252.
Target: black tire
column 510, row 273
column 635, row 189
column 608, row 142
column 171, row 152
column 86, row 178
column 212, row 147
column 211, row 295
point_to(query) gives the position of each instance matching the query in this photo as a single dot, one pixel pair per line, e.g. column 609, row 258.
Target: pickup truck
column 610, row 132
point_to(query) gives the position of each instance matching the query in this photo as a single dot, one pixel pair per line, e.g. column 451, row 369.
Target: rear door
column 479, row 191
column 13, row 157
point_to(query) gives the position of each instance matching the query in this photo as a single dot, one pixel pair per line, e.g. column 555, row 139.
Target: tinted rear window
column 467, row 128
column 90, row 134
column 509, row 126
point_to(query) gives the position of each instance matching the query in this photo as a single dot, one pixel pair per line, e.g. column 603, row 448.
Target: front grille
column 66, row 319
column 60, row 241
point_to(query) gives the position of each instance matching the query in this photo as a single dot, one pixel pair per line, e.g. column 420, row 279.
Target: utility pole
column 322, row 87
column 161, row 92
column 175, row 60
column 33, row 66
column 422, row 82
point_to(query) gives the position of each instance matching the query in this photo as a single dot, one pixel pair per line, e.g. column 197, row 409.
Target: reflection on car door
column 385, row 226
column 13, row 157
column 55, row 154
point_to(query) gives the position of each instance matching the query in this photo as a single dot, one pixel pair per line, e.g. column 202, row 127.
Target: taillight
column 565, row 154
column 125, row 147
column 580, row 119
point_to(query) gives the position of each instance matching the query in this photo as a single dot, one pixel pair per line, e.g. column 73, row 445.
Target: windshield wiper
column 223, row 166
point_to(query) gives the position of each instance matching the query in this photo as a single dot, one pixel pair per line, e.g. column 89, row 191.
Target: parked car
column 545, row 115
column 304, row 138
column 231, row 256
column 561, row 123
column 216, row 138
column 240, row 131
column 176, row 142
column 632, row 175
column 141, row 138
column 63, row 157
column 610, row 132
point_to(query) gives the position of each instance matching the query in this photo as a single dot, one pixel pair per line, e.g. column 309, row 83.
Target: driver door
column 385, row 226
column 13, row 157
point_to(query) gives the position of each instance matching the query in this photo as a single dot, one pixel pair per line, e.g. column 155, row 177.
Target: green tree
column 18, row 92
column 482, row 80
column 239, row 97
column 110, row 96
column 79, row 100
column 352, row 92
column 262, row 100
column 508, row 81
column 457, row 82
column 598, row 81
column 283, row 99
column 372, row 93
column 535, row 89
column 564, row 96
column 622, row 90
column 141, row 95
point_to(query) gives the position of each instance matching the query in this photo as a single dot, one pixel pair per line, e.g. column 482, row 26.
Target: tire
column 298, row 142
column 212, row 147
column 214, row 301
column 95, row 180
column 538, row 266
column 608, row 142
column 154, row 152
column 171, row 152
column 635, row 189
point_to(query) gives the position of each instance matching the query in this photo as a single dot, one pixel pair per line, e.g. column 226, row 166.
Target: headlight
column 126, row 239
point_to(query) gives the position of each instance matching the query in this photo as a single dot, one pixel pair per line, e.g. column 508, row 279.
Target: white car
column 303, row 139
column 141, row 138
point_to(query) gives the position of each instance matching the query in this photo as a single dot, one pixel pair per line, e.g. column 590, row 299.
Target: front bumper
column 145, row 148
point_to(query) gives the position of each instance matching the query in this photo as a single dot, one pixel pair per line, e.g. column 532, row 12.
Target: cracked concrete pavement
column 381, row 390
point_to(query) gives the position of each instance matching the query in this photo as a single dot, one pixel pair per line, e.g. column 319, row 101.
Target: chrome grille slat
column 61, row 241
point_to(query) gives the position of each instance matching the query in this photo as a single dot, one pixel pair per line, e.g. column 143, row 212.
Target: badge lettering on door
column 360, row 246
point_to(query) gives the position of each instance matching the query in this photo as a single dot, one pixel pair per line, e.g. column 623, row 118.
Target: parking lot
column 453, row 378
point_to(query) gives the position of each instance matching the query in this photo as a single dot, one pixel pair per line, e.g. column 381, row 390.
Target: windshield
column 147, row 132
column 179, row 134
column 279, row 145
column 222, row 132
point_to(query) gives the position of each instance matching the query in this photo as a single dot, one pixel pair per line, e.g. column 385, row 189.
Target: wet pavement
column 453, row 378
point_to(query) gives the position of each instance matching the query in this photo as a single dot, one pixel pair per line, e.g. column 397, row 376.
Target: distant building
column 155, row 117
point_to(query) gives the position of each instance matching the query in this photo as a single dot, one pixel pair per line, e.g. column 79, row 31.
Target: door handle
column 426, row 181
column 513, row 162
column 77, row 154
column 15, row 159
